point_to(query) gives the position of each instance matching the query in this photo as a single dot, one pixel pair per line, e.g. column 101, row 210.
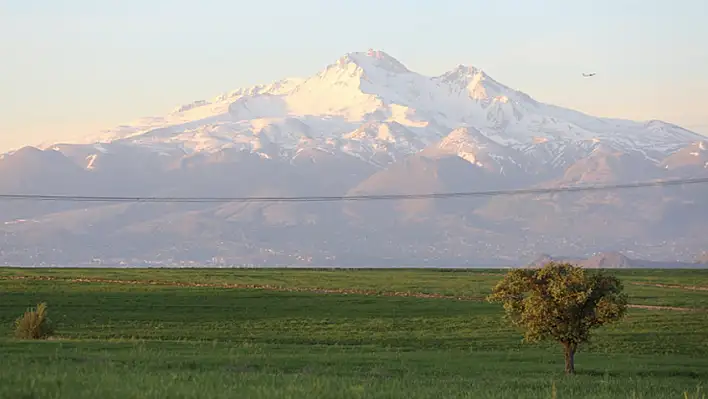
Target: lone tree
column 560, row 302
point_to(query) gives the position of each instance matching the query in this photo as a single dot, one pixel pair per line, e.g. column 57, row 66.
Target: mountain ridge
column 359, row 88
column 364, row 124
column 616, row 260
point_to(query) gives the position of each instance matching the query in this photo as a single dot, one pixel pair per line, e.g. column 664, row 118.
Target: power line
column 607, row 187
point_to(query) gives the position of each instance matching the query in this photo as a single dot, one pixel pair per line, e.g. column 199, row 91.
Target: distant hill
column 703, row 259
column 616, row 260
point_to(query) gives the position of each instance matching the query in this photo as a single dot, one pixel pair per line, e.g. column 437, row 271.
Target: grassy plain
column 275, row 333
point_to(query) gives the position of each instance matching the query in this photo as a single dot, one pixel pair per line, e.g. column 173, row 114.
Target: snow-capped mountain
column 365, row 124
column 371, row 106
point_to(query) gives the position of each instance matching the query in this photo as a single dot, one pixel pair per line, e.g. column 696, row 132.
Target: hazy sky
column 73, row 67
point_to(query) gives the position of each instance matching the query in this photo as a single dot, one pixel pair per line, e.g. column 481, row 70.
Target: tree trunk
column 569, row 350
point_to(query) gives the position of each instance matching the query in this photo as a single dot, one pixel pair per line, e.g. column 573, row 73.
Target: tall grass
column 697, row 395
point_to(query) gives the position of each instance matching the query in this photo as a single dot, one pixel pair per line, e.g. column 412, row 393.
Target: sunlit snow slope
column 369, row 103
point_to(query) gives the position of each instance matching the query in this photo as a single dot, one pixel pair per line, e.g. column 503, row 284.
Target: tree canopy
column 560, row 302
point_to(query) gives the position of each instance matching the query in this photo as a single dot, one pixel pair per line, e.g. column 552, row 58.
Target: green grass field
column 255, row 333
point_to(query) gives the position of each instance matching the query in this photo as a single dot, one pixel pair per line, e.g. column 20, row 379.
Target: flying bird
column 587, row 75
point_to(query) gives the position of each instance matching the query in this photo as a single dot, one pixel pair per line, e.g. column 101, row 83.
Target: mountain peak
column 374, row 59
column 461, row 134
column 475, row 81
column 469, row 71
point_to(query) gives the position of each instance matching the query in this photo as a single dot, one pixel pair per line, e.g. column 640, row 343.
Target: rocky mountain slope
column 364, row 125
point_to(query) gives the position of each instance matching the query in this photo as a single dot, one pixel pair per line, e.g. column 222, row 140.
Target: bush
column 34, row 324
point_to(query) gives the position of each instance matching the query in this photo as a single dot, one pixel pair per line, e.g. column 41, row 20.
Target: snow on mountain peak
column 369, row 101
column 473, row 146
column 464, row 75
column 374, row 59
column 478, row 84
column 461, row 135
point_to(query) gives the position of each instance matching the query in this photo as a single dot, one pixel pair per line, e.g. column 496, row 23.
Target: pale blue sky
column 72, row 67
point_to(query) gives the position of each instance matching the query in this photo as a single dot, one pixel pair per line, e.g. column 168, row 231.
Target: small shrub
column 34, row 324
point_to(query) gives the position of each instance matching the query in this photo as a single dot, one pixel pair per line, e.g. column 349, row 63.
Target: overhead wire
column 527, row 191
